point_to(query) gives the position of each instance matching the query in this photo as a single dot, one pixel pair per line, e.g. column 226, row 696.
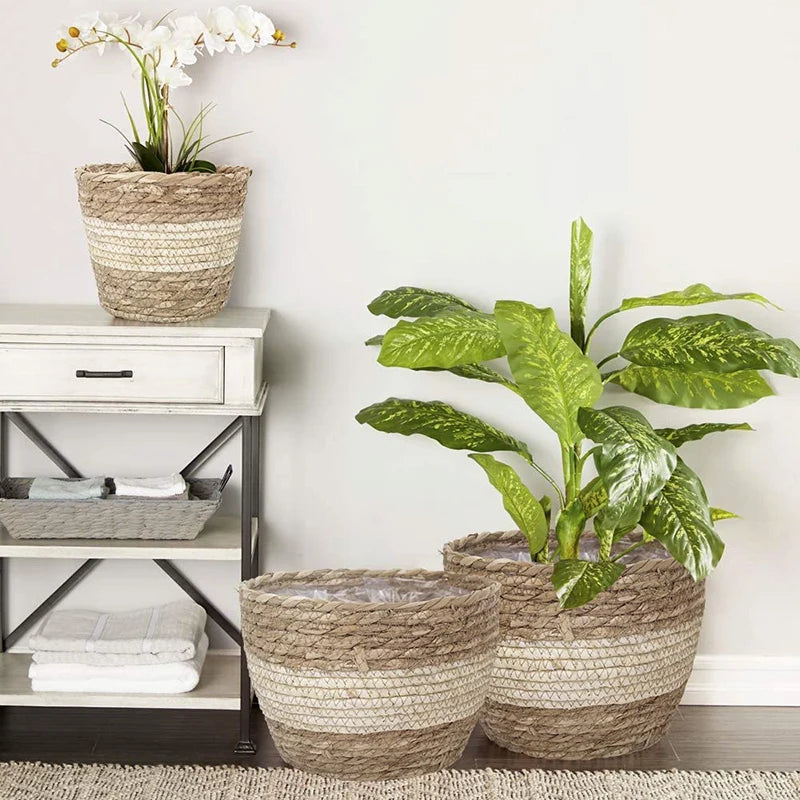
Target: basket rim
column 128, row 172
column 252, row 590
column 459, row 551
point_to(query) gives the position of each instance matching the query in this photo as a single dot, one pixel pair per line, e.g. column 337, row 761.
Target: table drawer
column 149, row 374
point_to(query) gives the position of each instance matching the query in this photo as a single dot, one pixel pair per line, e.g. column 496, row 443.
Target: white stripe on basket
column 371, row 701
column 163, row 246
column 593, row 672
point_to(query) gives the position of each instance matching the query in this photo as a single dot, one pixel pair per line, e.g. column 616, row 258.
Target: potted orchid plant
column 163, row 231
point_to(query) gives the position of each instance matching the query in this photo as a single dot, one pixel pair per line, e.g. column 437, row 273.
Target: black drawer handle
column 87, row 373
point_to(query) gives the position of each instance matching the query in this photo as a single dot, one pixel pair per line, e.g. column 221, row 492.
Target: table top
column 94, row 321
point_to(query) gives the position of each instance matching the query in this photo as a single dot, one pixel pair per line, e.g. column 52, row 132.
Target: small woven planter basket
column 110, row 518
column 162, row 245
column 369, row 690
column 591, row 682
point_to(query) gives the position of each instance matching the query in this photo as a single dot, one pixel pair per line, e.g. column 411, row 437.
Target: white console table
column 79, row 359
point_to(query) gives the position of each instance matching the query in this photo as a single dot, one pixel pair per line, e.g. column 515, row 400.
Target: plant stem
column 607, row 359
column 628, row 550
column 546, row 475
column 596, row 326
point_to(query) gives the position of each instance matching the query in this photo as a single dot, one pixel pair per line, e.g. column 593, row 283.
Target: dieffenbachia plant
column 711, row 361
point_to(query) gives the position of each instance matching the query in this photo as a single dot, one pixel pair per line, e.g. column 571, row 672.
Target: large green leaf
column 524, row 508
column 696, row 389
column 691, row 433
column 439, row 421
column 577, row 582
column 694, row 295
column 715, row 342
column 447, row 340
column 554, row 377
column 580, row 276
column 679, row 517
column 409, row 301
column 593, row 497
column 633, row 462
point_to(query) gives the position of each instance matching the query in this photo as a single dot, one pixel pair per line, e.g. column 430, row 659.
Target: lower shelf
column 218, row 688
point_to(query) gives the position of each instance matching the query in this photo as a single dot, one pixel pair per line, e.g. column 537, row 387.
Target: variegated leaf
column 554, row 377
column 679, row 517
column 694, row 295
column 696, row 389
column 479, row 372
column 691, row 433
column 633, row 462
column 720, row 513
column 593, row 497
column 409, row 301
column 715, row 342
column 446, row 340
column 374, row 340
column 441, row 422
column 577, row 582
column 526, row 511
column 580, row 276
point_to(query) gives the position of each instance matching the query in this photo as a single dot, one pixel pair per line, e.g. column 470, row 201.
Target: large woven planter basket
column 162, row 245
column 369, row 690
column 596, row 681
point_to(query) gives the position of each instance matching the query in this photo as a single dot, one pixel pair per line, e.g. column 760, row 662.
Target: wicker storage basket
column 110, row 518
column 596, row 681
column 369, row 690
column 162, row 246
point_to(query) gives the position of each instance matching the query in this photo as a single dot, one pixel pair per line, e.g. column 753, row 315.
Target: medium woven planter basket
column 110, row 518
column 369, row 690
column 162, row 245
column 591, row 682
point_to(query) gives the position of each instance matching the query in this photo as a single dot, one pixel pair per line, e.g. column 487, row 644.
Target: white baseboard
column 744, row 681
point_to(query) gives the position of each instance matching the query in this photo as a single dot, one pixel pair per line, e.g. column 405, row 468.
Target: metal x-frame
column 250, row 427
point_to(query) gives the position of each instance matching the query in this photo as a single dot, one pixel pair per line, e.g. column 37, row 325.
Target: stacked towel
column 153, row 651
column 168, row 486
column 67, row 489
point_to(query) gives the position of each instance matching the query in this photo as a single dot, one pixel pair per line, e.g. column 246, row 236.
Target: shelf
column 113, row 407
column 218, row 689
column 219, row 541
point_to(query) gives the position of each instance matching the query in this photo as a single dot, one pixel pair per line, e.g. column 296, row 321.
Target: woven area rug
column 29, row 781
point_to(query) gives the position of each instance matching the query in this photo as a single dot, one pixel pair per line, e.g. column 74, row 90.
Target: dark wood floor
column 701, row 737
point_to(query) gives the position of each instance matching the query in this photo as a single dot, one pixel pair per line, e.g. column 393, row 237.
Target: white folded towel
column 175, row 678
column 147, row 636
column 167, row 486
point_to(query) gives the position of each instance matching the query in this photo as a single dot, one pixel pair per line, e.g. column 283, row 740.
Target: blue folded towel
column 67, row 489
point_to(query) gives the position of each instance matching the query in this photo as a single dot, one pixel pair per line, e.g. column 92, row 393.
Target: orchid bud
column 62, row 46
column 74, row 32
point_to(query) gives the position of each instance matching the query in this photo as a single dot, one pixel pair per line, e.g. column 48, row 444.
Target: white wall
column 446, row 144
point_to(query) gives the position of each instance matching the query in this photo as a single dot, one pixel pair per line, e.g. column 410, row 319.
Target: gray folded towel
column 67, row 489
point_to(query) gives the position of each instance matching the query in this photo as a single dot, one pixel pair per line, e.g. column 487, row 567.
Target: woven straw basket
column 366, row 690
column 108, row 518
column 591, row 682
column 162, row 245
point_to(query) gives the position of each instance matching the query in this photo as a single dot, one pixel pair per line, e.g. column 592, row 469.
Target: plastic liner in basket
column 376, row 590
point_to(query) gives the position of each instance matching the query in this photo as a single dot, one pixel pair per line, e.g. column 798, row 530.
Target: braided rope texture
column 591, row 682
column 367, row 690
column 162, row 246
column 26, row 781
column 108, row 518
